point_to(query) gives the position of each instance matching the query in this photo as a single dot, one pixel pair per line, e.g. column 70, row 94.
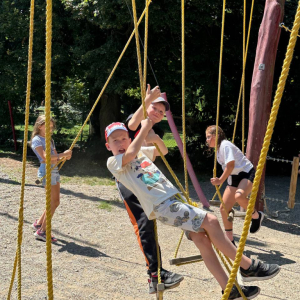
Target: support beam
column 262, row 83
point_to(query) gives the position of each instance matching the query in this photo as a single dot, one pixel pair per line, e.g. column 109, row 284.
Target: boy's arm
column 138, row 116
column 136, row 145
column 227, row 171
column 154, row 138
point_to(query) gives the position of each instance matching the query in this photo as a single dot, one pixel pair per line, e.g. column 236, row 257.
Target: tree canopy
column 88, row 37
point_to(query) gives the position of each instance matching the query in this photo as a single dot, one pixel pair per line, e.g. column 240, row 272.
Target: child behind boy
column 133, row 166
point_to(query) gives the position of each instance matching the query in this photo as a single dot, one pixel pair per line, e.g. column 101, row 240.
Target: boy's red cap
column 112, row 127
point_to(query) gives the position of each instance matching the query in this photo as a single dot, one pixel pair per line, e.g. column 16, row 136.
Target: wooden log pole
column 262, row 83
column 293, row 184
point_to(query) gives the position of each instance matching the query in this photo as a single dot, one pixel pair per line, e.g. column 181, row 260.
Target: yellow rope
column 186, row 179
column 178, row 245
column 243, row 79
column 145, row 47
column 228, row 270
column 242, row 82
column 138, row 51
column 48, row 144
column 103, row 89
column 21, row 208
column 286, row 28
column 265, row 148
column 243, row 73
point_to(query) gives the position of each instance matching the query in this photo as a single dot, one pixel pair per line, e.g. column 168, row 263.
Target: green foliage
column 88, row 37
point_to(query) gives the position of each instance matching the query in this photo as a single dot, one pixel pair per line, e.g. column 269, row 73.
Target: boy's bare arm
column 138, row 116
column 136, row 145
column 154, row 138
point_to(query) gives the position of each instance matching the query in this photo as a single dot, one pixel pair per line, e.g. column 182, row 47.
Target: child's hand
column 153, row 94
column 147, row 124
column 151, row 137
column 68, row 154
column 215, row 181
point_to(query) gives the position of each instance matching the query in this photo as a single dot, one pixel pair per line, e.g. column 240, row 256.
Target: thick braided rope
column 105, row 85
column 48, row 144
column 160, row 294
column 145, row 46
column 243, row 73
column 138, row 50
column 228, row 270
column 186, row 179
column 265, row 148
column 21, row 208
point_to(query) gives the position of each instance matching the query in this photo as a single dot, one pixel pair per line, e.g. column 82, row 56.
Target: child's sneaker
column 256, row 223
column 170, row 279
column 41, row 235
column 36, row 226
column 259, row 271
column 250, row 292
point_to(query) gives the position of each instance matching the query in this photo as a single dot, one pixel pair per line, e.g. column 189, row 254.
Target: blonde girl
column 239, row 172
column 38, row 145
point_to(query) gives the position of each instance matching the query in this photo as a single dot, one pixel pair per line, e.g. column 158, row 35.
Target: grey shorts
column 175, row 213
column 55, row 177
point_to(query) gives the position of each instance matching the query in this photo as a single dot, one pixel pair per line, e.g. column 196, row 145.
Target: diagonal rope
column 265, row 148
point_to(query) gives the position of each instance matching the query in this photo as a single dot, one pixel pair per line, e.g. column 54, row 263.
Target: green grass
column 106, row 206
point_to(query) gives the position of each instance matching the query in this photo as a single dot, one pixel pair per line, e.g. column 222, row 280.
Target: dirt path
column 97, row 256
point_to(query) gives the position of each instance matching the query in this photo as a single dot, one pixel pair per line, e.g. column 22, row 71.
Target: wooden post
column 262, row 83
column 293, row 185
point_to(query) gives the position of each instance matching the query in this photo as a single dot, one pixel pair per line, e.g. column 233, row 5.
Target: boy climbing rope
column 239, row 172
column 133, row 165
column 144, row 228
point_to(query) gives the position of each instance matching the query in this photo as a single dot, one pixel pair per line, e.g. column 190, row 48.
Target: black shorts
column 234, row 180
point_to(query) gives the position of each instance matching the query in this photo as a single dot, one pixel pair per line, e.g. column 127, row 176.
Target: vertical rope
column 48, row 143
column 138, row 52
column 243, row 78
column 243, row 73
column 145, row 47
column 186, row 179
column 17, row 261
column 219, row 88
column 265, row 148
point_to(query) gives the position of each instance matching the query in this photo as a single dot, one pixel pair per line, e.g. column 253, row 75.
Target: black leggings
column 143, row 227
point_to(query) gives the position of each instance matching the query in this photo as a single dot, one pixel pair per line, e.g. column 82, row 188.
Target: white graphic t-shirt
column 229, row 152
column 143, row 178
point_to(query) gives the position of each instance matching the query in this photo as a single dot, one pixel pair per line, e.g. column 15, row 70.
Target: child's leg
column 218, row 238
column 229, row 200
column 55, row 197
column 241, row 194
column 211, row 261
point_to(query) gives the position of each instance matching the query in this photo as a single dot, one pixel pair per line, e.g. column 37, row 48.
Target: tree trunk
column 262, row 83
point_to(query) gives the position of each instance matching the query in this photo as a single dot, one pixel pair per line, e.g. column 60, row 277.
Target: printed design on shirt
column 174, row 207
column 180, row 220
column 149, row 174
column 196, row 222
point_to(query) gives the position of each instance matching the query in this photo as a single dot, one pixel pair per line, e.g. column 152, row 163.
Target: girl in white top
column 239, row 172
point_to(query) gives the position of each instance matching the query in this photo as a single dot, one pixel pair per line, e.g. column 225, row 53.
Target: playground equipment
column 278, row 96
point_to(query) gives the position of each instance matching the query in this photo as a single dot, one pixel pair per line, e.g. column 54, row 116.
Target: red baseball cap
column 112, row 127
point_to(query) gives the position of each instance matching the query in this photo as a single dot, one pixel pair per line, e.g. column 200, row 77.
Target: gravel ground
column 97, row 256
